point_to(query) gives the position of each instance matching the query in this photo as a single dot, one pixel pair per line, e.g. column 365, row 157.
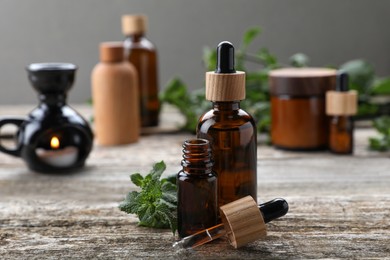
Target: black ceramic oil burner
column 54, row 137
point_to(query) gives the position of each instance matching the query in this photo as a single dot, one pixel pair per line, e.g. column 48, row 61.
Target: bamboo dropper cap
column 243, row 221
column 111, row 52
column 341, row 102
column 134, row 24
column 225, row 83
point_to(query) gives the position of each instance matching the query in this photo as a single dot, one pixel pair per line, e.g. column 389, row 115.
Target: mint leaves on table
column 382, row 143
column 156, row 203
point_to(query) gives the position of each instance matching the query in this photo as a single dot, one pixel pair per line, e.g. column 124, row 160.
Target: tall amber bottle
column 197, row 189
column 115, row 97
column 143, row 55
column 341, row 105
column 230, row 130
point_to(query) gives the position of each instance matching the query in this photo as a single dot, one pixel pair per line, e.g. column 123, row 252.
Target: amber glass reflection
column 232, row 134
column 341, row 135
column 143, row 55
column 197, row 189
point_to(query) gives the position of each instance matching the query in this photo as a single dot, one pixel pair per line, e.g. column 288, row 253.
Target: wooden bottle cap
column 111, row 52
column 225, row 86
column 302, row 81
column 341, row 103
column 133, row 24
column 243, row 221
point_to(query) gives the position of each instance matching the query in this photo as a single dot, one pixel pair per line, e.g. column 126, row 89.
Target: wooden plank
column 339, row 206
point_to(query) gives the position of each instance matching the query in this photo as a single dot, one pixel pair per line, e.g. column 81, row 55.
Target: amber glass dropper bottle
column 230, row 130
column 341, row 105
column 197, row 189
column 142, row 53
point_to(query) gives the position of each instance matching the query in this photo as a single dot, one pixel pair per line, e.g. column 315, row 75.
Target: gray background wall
column 329, row 32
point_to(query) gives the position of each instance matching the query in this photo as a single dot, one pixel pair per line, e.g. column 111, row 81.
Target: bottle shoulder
column 182, row 176
column 235, row 116
column 212, row 122
column 143, row 44
column 124, row 67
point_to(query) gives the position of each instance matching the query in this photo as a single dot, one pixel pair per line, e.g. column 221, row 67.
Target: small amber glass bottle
column 143, row 55
column 197, row 189
column 230, row 130
column 341, row 105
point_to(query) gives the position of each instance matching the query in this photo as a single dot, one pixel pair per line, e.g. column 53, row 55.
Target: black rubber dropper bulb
column 225, row 58
column 342, row 82
column 273, row 209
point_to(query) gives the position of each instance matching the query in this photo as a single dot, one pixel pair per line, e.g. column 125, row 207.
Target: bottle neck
column 53, row 100
column 226, row 106
column 136, row 37
column 197, row 157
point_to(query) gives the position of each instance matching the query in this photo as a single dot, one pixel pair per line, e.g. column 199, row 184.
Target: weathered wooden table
column 339, row 205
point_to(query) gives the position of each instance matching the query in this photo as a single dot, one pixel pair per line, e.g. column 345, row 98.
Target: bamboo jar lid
column 302, row 81
column 243, row 221
column 225, row 86
column 133, row 24
column 341, row 103
column 111, row 52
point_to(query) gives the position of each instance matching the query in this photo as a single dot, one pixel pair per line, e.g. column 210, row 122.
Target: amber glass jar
column 197, row 207
column 298, row 114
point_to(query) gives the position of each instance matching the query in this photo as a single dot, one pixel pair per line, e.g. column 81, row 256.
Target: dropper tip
column 225, row 58
column 178, row 245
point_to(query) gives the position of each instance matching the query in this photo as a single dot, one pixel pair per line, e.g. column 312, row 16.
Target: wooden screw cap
column 225, row 87
column 225, row 83
column 243, row 221
column 111, row 52
column 341, row 103
column 133, row 24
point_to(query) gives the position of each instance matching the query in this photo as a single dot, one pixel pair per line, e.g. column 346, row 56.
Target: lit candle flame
column 55, row 142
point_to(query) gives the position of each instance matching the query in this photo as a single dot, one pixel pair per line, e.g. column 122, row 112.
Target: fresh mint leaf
column 381, row 87
column 158, row 170
column 299, row 60
column 268, row 59
column 249, row 36
column 361, row 75
column 156, row 203
column 209, row 58
column 137, row 179
column 381, row 143
column 176, row 93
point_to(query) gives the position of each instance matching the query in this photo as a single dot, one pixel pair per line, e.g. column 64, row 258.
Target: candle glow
column 55, row 142
column 56, row 156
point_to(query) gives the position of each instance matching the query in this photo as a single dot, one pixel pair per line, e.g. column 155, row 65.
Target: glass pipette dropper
column 270, row 210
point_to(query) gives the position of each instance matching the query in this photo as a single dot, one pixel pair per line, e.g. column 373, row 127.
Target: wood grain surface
column 339, row 205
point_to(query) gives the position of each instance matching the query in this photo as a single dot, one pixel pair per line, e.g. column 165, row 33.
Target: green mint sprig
column 156, row 203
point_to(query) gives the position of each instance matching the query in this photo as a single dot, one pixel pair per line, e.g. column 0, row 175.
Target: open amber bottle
column 230, row 130
column 197, row 189
column 142, row 53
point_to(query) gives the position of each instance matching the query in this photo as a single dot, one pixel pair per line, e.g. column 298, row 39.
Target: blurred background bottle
column 115, row 97
column 143, row 55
